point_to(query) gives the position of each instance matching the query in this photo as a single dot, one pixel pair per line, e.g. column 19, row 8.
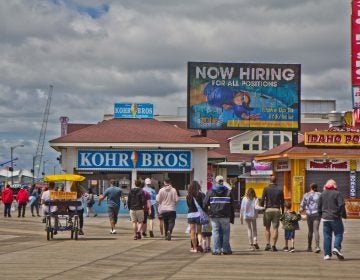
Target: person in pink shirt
column 167, row 199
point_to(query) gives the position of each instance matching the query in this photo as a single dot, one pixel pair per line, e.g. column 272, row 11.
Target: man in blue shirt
column 113, row 195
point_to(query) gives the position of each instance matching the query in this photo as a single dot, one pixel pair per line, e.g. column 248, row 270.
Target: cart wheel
column 47, row 233
column 76, row 226
column 48, row 227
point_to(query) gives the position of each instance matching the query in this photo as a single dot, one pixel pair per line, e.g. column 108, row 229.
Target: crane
column 40, row 145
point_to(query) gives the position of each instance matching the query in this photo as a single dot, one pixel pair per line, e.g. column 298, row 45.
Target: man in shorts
column 113, row 195
column 137, row 202
column 273, row 200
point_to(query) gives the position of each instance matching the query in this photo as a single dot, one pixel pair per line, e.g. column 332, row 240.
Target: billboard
column 355, row 53
column 251, row 96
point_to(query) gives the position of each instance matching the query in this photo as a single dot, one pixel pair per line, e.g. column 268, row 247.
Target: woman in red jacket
column 7, row 198
column 22, row 198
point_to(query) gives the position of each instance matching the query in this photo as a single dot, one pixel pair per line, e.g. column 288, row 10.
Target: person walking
column 136, row 203
column 273, row 201
column 7, row 198
column 114, row 195
column 167, row 199
column 151, row 214
column 34, row 199
column 331, row 207
column 90, row 201
column 219, row 203
column 248, row 212
column 309, row 204
column 290, row 221
column 78, row 210
column 193, row 217
column 22, row 197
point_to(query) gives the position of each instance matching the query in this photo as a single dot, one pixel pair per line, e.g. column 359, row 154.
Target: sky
column 98, row 53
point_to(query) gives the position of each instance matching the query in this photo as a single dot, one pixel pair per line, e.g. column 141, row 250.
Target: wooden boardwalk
column 26, row 254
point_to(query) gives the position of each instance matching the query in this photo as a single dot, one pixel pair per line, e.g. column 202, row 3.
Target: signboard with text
column 328, row 165
column 133, row 111
column 326, row 138
column 243, row 96
column 355, row 52
column 165, row 160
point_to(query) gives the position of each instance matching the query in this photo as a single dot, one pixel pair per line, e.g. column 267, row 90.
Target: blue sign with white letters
column 167, row 160
column 133, row 111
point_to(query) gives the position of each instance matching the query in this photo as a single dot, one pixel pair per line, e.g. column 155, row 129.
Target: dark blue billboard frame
column 243, row 96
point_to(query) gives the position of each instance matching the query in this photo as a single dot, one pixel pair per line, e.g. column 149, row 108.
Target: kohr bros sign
column 168, row 160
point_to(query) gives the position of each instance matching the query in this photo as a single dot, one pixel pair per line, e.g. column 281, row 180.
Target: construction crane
column 40, row 146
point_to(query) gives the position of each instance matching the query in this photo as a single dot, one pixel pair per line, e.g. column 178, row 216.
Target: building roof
column 154, row 131
column 76, row 126
column 300, row 151
column 133, row 132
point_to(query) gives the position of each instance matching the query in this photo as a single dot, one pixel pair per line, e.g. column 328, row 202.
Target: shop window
column 265, row 141
column 276, row 138
column 246, row 147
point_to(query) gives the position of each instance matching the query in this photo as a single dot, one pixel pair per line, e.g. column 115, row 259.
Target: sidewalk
column 26, row 254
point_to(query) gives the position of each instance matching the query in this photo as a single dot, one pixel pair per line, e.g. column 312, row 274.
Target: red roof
column 153, row 131
column 133, row 131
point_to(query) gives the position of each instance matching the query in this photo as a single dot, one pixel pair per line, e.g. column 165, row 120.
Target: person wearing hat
column 151, row 215
column 219, row 203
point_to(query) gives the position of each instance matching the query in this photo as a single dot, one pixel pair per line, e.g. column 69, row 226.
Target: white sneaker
column 337, row 253
column 327, row 257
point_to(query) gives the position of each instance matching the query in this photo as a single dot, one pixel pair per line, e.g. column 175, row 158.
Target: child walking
column 290, row 222
column 249, row 205
column 206, row 232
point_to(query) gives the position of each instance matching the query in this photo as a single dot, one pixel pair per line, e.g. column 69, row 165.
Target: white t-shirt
column 46, row 197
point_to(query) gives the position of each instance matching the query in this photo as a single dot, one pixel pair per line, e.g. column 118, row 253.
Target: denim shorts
column 195, row 220
column 289, row 234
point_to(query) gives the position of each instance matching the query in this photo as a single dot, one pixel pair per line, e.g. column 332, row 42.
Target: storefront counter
column 353, row 208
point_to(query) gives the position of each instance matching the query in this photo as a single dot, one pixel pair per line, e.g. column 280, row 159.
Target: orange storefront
column 317, row 157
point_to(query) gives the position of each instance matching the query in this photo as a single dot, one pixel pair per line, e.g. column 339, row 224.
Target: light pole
column 43, row 173
column 12, row 148
column 33, row 169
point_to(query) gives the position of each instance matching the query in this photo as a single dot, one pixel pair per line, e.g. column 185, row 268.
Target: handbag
column 204, row 218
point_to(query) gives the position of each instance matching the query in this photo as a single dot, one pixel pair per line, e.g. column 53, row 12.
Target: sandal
column 193, row 250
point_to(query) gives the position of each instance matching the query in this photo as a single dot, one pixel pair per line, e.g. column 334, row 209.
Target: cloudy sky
column 97, row 53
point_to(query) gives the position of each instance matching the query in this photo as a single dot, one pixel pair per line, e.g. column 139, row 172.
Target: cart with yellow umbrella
column 62, row 199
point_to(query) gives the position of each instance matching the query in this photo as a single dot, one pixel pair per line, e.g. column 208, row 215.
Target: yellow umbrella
column 64, row 177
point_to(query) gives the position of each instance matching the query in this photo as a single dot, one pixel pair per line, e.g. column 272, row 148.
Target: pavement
column 25, row 253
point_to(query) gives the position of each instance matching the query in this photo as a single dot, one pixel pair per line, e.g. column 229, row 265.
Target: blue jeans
column 330, row 227
column 221, row 235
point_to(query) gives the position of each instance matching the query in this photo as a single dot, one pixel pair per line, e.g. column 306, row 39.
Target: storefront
column 319, row 156
column 125, row 149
